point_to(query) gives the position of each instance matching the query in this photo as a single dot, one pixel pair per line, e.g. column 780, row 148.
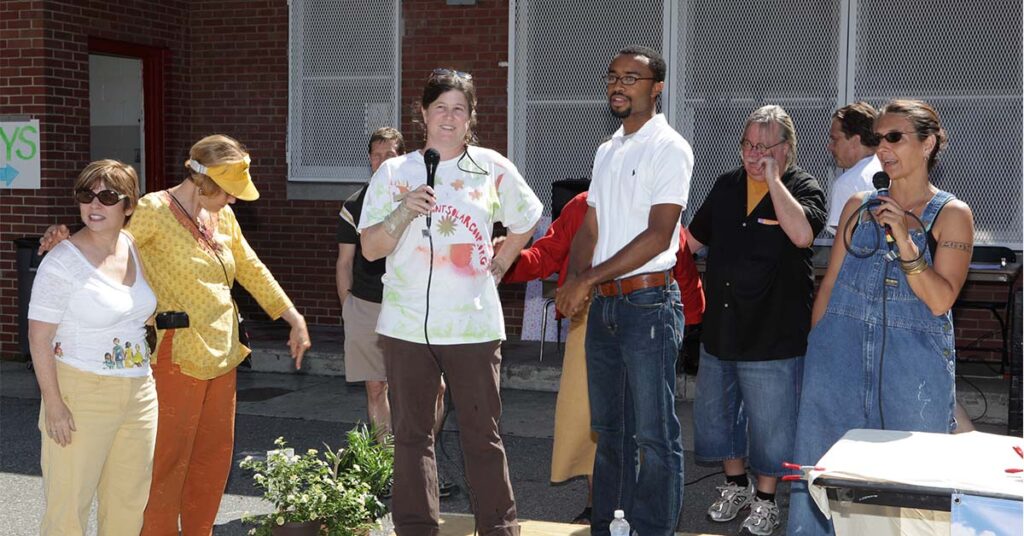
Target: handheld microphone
column 881, row 183
column 431, row 158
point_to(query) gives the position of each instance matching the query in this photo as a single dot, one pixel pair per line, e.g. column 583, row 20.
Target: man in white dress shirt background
column 852, row 144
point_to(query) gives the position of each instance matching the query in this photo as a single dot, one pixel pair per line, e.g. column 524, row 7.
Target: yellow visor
column 232, row 177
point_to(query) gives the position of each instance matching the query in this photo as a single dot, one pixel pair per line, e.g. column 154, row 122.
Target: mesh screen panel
column 561, row 111
column 343, row 85
column 965, row 60
column 739, row 56
column 809, row 56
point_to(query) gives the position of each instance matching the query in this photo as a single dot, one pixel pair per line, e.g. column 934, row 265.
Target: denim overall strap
column 931, row 210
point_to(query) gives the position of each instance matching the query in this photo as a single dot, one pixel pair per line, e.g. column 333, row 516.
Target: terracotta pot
column 297, row 528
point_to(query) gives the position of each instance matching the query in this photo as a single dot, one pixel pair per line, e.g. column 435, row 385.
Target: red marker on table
column 804, row 471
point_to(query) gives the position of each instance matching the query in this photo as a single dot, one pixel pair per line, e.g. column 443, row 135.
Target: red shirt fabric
column 550, row 254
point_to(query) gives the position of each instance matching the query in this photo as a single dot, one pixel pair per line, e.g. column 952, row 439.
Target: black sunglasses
column 107, row 197
column 893, row 136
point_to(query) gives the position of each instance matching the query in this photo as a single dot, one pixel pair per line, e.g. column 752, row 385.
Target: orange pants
column 194, row 439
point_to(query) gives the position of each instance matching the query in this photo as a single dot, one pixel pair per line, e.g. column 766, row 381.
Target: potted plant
column 334, row 493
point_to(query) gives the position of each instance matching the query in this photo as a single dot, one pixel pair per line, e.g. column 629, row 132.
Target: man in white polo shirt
column 852, row 144
column 623, row 254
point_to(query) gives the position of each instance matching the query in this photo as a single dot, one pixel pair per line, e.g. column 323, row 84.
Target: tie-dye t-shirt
column 473, row 192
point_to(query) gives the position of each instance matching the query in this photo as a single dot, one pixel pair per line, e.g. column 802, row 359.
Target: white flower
column 280, row 520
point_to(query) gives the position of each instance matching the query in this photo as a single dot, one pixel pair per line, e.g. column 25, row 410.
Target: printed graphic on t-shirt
column 124, row 356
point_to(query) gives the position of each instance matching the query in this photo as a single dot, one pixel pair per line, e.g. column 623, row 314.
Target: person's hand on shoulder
column 54, row 235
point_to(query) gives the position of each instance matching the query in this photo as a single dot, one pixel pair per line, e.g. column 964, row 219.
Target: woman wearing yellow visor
column 192, row 251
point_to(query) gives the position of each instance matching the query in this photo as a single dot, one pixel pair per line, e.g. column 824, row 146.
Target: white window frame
column 297, row 172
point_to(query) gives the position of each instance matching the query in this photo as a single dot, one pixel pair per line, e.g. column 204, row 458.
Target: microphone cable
column 431, row 159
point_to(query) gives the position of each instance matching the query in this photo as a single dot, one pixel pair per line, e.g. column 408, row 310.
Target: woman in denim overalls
column 880, row 354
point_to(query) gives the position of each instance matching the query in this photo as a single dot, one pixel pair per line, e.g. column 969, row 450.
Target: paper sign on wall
column 19, row 154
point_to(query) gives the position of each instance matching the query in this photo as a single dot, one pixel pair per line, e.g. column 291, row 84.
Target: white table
column 884, row 481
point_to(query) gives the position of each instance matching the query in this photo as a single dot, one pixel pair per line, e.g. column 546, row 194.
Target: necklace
column 200, row 225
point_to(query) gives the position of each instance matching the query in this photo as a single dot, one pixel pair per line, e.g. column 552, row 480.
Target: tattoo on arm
column 962, row 246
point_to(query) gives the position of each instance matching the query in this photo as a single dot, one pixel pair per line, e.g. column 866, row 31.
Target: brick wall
column 977, row 334
column 44, row 74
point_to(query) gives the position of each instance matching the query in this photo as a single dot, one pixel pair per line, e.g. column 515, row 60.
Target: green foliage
column 340, row 488
column 367, row 459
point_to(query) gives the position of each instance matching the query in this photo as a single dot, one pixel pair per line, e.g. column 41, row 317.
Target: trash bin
column 28, row 262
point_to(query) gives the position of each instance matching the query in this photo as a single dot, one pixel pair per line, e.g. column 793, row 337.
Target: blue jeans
column 632, row 344
column 740, row 399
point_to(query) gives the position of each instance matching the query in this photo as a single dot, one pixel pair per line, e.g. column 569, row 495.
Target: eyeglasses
column 107, row 197
column 440, row 71
column 626, row 80
column 759, row 147
column 893, row 136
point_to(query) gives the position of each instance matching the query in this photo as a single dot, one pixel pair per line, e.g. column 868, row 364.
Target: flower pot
column 297, row 528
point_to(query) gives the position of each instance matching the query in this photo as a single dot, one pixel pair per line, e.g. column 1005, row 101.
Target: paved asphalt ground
column 309, row 410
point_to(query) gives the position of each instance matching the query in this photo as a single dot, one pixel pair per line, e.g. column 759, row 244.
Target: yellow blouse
column 181, row 264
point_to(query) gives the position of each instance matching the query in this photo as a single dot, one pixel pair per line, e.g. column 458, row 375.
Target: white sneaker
column 763, row 518
column 731, row 500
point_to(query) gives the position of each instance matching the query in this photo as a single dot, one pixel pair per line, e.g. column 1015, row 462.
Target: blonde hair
column 773, row 114
column 212, row 151
column 116, row 176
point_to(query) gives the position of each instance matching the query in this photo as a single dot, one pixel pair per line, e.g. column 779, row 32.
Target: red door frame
column 154, row 62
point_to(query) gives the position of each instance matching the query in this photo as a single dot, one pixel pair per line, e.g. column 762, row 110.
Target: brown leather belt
column 634, row 283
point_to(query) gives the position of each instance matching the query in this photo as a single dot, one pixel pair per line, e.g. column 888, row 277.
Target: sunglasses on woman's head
column 440, row 71
column 107, row 197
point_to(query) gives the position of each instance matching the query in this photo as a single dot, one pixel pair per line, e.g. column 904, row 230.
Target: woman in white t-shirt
column 441, row 313
column 90, row 303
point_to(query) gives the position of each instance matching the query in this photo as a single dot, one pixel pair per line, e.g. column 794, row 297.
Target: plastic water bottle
column 619, row 525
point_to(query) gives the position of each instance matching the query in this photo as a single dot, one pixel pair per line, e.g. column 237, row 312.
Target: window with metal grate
column 344, row 83
column 809, row 56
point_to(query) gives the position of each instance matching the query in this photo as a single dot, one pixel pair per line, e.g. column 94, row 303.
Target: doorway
column 116, row 115
column 126, row 107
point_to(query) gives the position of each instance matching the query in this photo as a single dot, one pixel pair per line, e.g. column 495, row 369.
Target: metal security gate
column 965, row 59
column 558, row 110
column 809, row 56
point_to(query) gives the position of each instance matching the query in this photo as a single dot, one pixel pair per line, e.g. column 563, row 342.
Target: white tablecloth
column 973, row 462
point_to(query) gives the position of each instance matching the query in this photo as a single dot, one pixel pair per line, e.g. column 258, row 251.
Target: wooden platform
column 462, row 525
